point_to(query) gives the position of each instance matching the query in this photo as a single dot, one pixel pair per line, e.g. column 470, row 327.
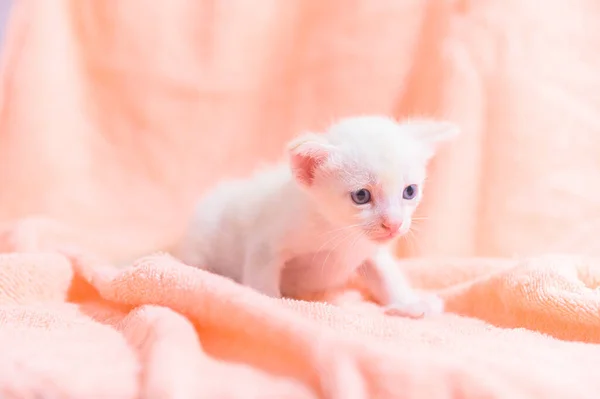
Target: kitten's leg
column 390, row 288
column 262, row 271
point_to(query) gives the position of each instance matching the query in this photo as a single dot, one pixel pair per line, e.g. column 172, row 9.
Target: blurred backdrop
column 116, row 116
column 5, row 6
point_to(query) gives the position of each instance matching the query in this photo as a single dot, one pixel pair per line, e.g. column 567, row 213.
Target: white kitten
column 338, row 206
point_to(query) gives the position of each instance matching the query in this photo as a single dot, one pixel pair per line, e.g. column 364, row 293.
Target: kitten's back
column 228, row 217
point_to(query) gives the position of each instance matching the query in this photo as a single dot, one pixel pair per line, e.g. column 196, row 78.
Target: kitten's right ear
column 306, row 153
column 432, row 133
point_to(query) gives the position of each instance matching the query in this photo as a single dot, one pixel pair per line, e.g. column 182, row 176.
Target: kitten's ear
column 432, row 133
column 306, row 153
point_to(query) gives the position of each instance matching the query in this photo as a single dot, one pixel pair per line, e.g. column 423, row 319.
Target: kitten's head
column 368, row 172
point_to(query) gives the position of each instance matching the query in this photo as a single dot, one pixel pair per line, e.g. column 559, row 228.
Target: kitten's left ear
column 432, row 133
column 307, row 153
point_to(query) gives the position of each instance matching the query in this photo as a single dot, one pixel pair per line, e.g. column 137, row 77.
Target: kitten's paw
column 423, row 305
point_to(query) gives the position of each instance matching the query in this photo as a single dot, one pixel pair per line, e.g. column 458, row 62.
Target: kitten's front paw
column 421, row 306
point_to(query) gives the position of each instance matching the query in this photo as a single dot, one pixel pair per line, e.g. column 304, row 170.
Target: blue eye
column 361, row 197
column 410, row 192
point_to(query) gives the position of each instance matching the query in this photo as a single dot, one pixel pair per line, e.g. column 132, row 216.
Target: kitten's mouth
column 385, row 237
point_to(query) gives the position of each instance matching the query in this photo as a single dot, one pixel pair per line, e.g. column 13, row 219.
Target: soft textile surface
column 117, row 115
column 72, row 326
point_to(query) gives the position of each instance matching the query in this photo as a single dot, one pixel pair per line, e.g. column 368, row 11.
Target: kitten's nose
column 392, row 225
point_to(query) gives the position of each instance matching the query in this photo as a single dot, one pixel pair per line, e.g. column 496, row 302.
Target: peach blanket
column 72, row 326
column 115, row 116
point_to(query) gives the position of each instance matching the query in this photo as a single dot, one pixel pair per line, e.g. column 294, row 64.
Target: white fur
column 293, row 229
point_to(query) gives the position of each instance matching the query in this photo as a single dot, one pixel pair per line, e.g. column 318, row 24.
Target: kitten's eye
column 410, row 192
column 361, row 197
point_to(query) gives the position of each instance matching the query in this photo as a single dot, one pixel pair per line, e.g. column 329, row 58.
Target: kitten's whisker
column 415, row 224
column 412, row 229
column 413, row 242
column 344, row 231
column 339, row 229
column 340, row 232
column 334, row 248
column 358, row 237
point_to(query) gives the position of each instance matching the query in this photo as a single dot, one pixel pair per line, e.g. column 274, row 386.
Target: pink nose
column 392, row 225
